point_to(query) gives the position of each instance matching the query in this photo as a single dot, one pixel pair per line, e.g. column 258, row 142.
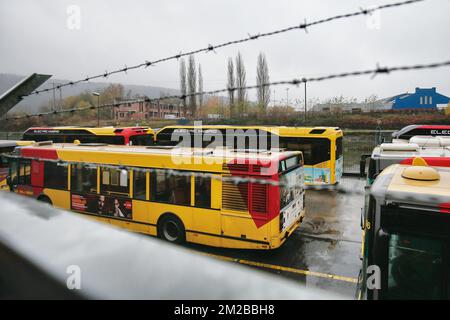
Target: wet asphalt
column 328, row 242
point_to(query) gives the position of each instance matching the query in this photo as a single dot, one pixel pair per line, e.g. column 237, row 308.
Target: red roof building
column 141, row 110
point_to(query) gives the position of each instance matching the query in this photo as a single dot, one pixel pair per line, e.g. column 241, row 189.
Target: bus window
column 415, row 268
column 83, row 179
column 13, row 167
column 24, row 172
column 315, row 150
column 55, row 176
column 339, row 150
column 170, row 188
column 141, row 140
column 3, row 162
column 203, row 192
column 115, row 181
column 140, row 185
column 116, row 140
column 372, row 171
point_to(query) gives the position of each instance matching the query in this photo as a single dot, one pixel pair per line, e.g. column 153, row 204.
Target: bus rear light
column 445, row 207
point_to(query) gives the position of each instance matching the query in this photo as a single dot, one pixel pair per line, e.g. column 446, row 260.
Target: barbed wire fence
column 211, row 48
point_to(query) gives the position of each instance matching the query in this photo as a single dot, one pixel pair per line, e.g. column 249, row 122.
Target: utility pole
column 60, row 98
column 54, row 98
column 57, row 86
column 287, row 97
column 305, row 103
column 274, row 97
column 98, row 107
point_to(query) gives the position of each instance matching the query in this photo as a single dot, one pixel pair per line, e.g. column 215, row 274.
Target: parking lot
column 324, row 252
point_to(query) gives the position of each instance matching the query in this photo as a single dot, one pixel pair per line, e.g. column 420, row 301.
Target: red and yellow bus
column 215, row 197
column 139, row 136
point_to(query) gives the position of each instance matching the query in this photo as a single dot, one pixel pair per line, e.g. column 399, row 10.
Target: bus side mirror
column 362, row 164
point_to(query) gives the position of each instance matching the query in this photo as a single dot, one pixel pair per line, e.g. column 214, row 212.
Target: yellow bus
column 137, row 136
column 6, row 147
column 216, row 197
column 321, row 146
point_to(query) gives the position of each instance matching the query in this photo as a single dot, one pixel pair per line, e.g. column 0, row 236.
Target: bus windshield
column 290, row 186
column 416, row 267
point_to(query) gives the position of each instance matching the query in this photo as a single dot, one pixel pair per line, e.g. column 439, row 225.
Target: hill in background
column 33, row 103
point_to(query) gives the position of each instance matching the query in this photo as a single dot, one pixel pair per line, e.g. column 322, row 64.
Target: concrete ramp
column 14, row 95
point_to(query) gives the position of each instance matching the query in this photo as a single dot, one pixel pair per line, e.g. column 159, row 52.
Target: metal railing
column 359, row 142
column 53, row 254
column 11, row 135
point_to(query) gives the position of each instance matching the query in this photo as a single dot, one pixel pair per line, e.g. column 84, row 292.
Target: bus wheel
column 45, row 199
column 171, row 229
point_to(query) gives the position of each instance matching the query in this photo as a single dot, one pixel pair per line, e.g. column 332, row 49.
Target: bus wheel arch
column 44, row 198
column 171, row 228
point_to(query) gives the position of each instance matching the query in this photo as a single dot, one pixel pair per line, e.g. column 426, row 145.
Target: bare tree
column 192, row 85
column 200, row 87
column 230, row 86
column 183, row 89
column 262, row 78
column 241, row 83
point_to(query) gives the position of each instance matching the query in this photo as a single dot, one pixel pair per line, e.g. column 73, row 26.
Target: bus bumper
column 278, row 241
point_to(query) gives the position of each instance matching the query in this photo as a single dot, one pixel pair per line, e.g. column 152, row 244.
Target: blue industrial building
column 422, row 98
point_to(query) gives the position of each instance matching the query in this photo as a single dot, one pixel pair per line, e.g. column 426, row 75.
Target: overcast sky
column 40, row 36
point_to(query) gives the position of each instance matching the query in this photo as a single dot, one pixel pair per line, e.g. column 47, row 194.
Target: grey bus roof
column 386, row 192
column 407, row 150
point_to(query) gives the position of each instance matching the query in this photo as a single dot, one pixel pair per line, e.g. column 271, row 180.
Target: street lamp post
column 287, row 97
column 274, row 103
column 305, row 103
column 98, row 107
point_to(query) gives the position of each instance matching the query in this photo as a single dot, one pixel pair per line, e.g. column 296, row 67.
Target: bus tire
column 45, row 199
column 170, row 228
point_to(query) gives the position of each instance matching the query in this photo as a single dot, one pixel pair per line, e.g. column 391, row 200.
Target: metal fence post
column 378, row 133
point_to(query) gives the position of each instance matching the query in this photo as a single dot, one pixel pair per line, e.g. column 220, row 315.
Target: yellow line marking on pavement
column 281, row 268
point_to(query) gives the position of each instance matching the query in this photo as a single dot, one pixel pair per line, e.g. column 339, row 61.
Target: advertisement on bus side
column 339, row 168
column 317, row 175
column 110, row 206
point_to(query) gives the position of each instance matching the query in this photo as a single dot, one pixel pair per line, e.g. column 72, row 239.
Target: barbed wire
column 239, row 178
column 211, row 48
column 295, row 82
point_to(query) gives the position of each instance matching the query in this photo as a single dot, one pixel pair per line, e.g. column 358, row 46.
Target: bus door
column 207, row 200
column 20, row 176
column 4, row 171
column 114, row 200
